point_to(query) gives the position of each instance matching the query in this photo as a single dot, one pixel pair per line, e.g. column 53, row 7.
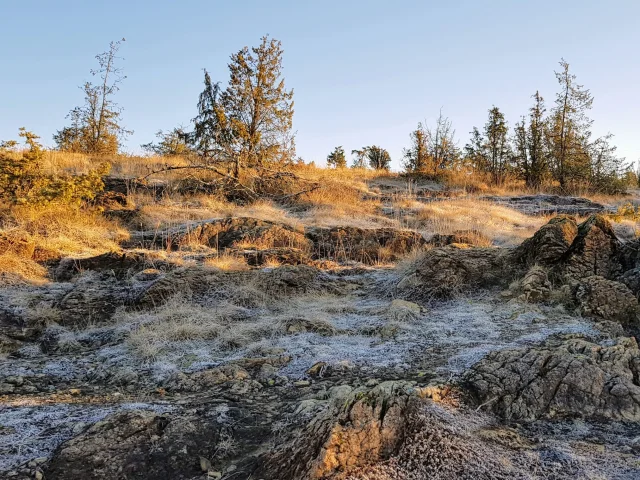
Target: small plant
column 23, row 180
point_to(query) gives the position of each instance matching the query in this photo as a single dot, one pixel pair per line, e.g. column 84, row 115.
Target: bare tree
column 96, row 126
column 441, row 144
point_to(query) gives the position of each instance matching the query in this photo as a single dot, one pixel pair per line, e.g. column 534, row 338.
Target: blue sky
column 363, row 72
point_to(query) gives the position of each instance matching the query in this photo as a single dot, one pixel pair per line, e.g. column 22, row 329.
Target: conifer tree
column 337, row 158
column 416, row 157
column 569, row 131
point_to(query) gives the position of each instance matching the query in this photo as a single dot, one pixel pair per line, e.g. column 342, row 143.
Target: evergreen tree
column 210, row 135
column 173, row 143
column 568, row 131
column 530, row 151
column 337, row 158
column 416, row 158
column 490, row 151
column 607, row 169
column 258, row 108
column 378, row 157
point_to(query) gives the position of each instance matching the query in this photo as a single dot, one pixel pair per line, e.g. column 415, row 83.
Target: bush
column 24, row 182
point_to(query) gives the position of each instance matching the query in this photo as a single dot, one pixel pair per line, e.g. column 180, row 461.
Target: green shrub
column 23, row 181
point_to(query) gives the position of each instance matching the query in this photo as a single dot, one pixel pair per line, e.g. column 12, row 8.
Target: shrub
column 23, row 180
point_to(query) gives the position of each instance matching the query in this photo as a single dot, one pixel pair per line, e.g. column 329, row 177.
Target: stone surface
column 445, row 272
column 549, row 243
column 137, row 445
column 365, row 427
column 595, row 251
column 560, row 378
column 368, row 246
column 607, row 299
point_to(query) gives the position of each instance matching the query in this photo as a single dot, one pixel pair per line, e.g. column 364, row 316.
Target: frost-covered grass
column 35, row 432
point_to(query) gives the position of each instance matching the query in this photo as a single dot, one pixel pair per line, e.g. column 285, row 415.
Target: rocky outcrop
column 445, row 272
column 542, row 204
column 228, row 233
column 535, row 285
column 137, row 445
column 363, row 245
column 560, row 378
column 360, row 428
column 595, row 251
column 607, row 299
column 120, row 264
column 549, row 243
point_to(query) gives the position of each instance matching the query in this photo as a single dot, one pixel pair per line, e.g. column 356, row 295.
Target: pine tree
column 530, row 151
column 337, row 158
column 491, row 151
column 607, row 169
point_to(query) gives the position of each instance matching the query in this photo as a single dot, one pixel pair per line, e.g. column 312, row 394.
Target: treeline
column 546, row 147
column 248, row 124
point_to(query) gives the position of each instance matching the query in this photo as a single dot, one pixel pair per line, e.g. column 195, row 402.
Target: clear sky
column 363, row 72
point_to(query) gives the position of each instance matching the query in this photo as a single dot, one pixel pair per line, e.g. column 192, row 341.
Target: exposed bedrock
column 560, row 378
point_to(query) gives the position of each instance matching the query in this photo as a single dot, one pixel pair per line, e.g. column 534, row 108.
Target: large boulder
column 598, row 297
column 94, row 298
column 137, row 445
column 560, row 378
column 120, row 264
column 445, row 272
column 549, row 243
column 595, row 251
column 356, row 429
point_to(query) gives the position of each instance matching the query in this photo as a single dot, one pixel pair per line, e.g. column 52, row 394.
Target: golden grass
column 227, row 262
column 504, row 225
column 16, row 270
column 64, row 230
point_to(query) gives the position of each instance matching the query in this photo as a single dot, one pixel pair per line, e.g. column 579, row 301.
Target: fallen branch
column 201, row 167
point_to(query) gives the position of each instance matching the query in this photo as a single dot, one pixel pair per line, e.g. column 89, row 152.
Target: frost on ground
column 351, row 330
column 36, row 431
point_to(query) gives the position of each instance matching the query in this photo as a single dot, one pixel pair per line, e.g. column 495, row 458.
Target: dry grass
column 227, row 262
column 505, row 226
column 180, row 327
column 64, row 230
column 16, row 270
column 55, row 231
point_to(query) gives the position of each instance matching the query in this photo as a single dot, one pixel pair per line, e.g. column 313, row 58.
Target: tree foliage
column 569, row 130
column 373, row 156
column 416, row 158
column 250, row 122
column 441, row 145
column 23, row 180
column 337, row 158
column 173, row 143
column 490, row 150
column 96, row 126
